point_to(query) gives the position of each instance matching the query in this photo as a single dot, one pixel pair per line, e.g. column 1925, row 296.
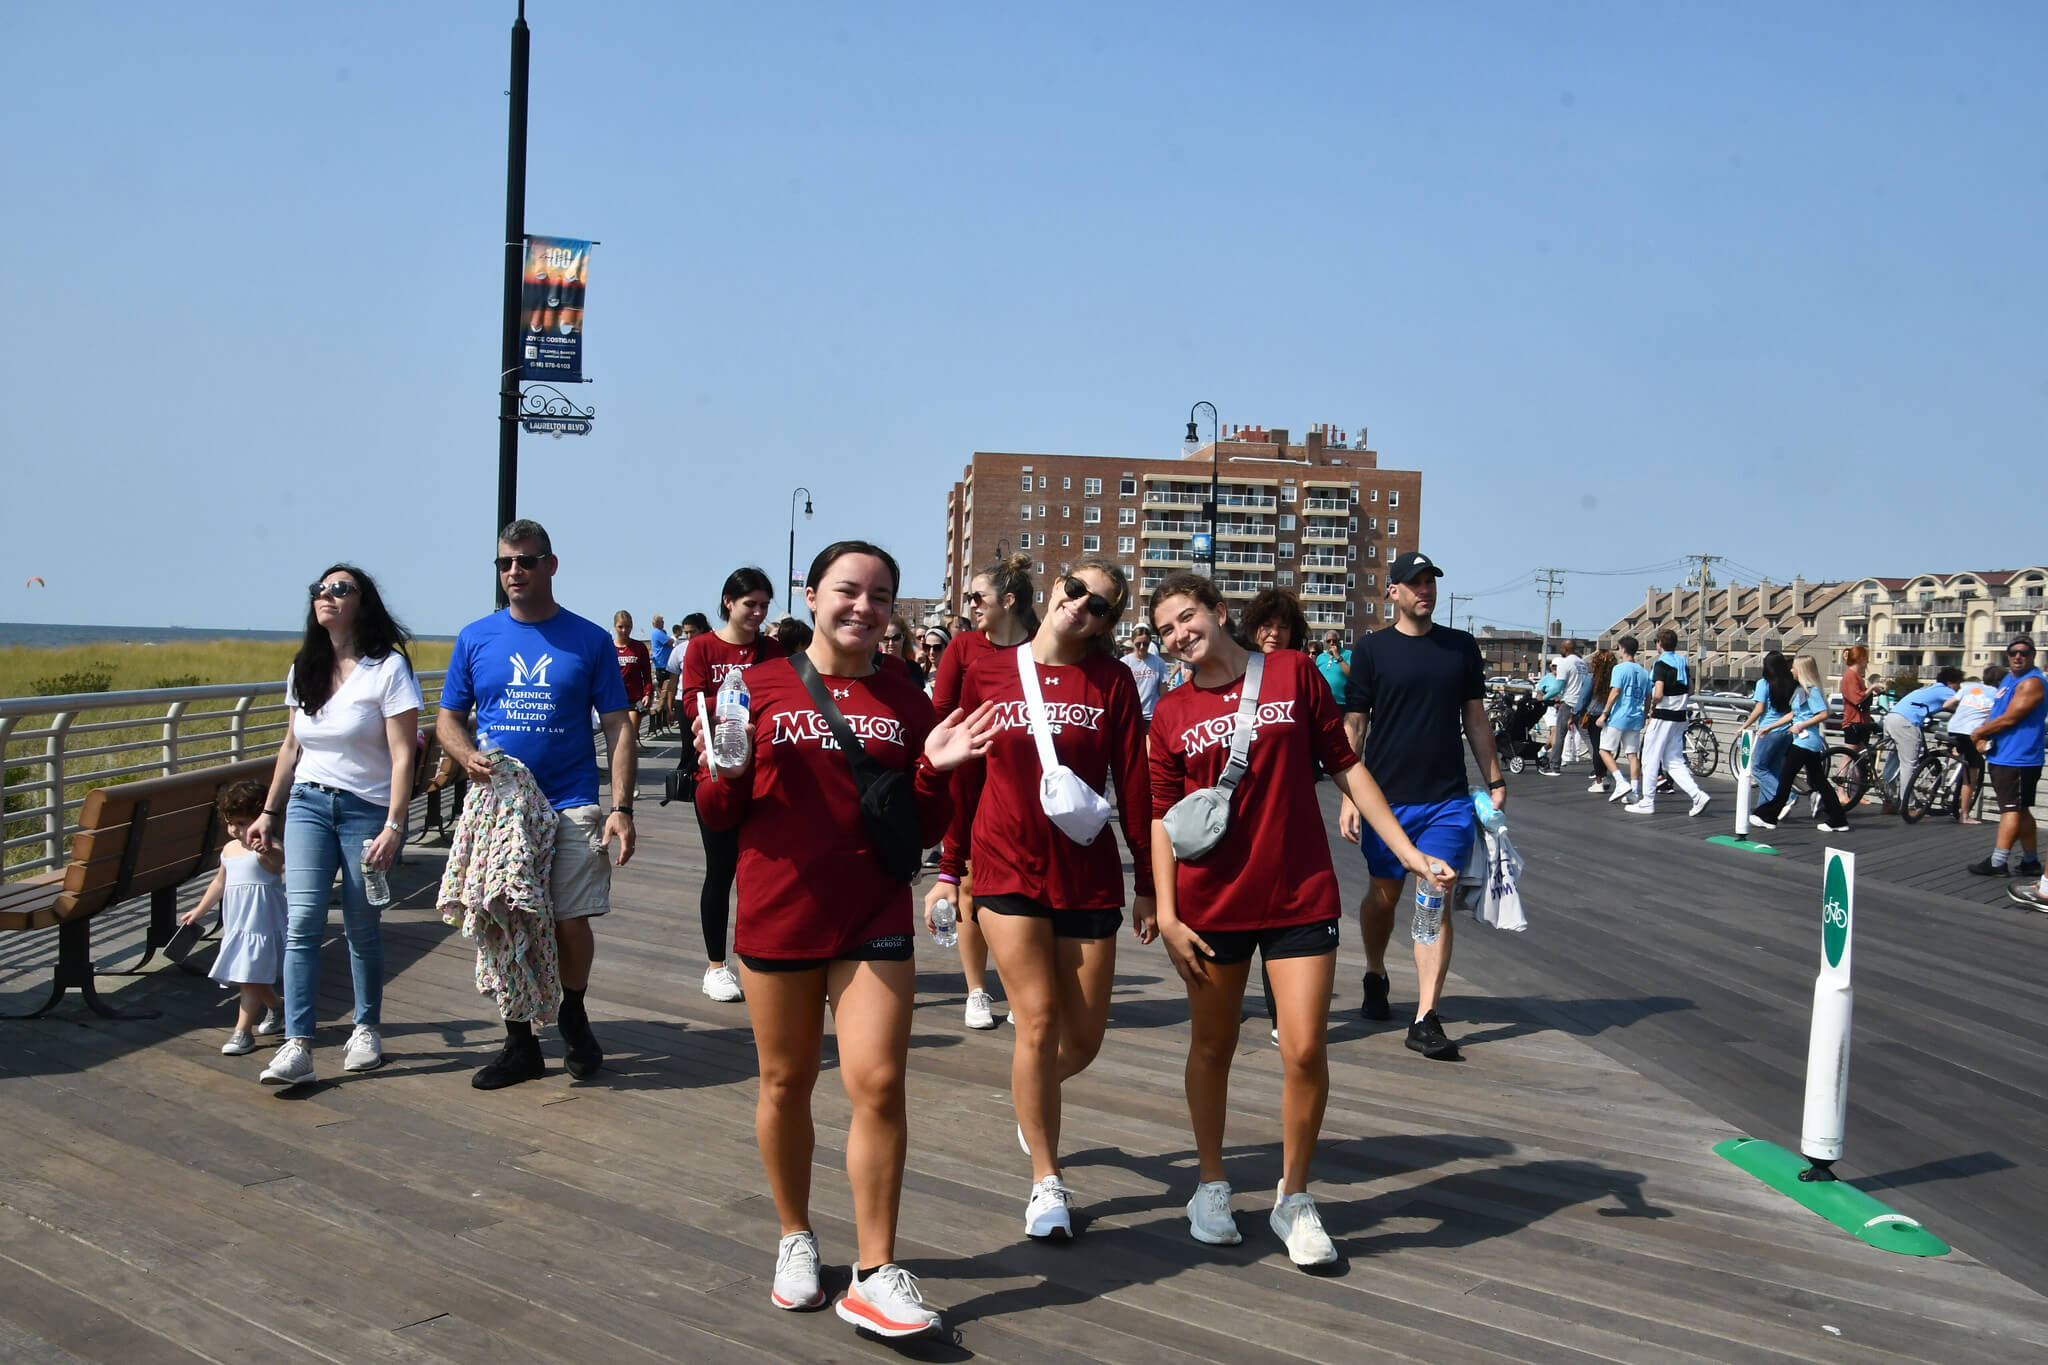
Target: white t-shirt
column 344, row 745
column 1150, row 674
column 1973, row 708
column 1576, row 675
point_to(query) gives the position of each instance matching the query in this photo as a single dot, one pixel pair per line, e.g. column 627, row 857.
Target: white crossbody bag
column 1077, row 808
column 1198, row 821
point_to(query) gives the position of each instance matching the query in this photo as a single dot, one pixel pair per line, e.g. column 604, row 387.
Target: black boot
column 520, row 1061
column 580, row 1052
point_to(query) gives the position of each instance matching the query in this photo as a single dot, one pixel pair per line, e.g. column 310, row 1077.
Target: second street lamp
column 789, row 578
column 1194, row 443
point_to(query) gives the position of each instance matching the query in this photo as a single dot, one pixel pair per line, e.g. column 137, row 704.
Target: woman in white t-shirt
column 346, row 763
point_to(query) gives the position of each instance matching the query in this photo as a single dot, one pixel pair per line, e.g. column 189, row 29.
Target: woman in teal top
column 1773, row 713
column 1807, row 752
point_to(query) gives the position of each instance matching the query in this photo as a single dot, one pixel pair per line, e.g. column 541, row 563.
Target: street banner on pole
column 551, row 341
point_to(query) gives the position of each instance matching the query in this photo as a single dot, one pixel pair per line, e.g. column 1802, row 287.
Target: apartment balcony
column 1324, row 562
column 1167, row 497
column 1329, row 506
column 1254, row 559
column 1257, row 502
column 1243, row 530
column 1241, row 587
column 2023, row 604
column 1325, row 534
column 1320, row 616
column 1904, row 609
column 1321, row 592
column 1344, row 484
column 1843, row 640
column 1172, row 528
column 1163, row 555
column 1926, row 639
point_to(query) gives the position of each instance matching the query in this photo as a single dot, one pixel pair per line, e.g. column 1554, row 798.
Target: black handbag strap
column 857, row 756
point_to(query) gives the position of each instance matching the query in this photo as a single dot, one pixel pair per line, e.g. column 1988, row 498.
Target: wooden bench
column 138, row 838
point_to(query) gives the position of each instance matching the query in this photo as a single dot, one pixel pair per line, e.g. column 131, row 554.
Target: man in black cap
column 1414, row 683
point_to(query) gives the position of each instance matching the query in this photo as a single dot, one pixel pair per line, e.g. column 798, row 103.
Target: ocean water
column 56, row 637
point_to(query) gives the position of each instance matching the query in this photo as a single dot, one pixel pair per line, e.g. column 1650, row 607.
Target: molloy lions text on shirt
column 1219, row 729
column 793, row 727
column 1015, row 715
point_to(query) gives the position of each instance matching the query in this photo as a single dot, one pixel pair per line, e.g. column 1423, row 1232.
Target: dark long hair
column 839, row 549
column 738, row 584
column 378, row 635
column 1779, row 682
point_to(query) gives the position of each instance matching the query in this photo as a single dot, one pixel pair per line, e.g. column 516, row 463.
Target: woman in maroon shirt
column 1000, row 600
column 1054, row 905
column 822, row 923
column 1268, row 887
column 636, row 665
column 738, row 643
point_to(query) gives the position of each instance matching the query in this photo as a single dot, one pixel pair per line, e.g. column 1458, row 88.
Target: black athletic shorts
column 887, row 948
column 1232, row 946
column 2014, row 787
column 1088, row 924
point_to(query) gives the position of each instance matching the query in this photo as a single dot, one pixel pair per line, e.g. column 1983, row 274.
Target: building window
column 1350, row 581
column 1348, row 608
column 1368, row 608
column 1354, row 522
column 1375, row 495
column 1372, row 580
column 1091, row 516
column 1039, row 597
column 1393, row 497
column 1041, row 512
column 1354, row 495
column 1027, row 483
column 1284, row 578
column 1372, row 552
column 1288, row 493
column 1287, row 521
column 1064, row 541
column 1353, row 551
column 1127, row 545
column 1393, row 526
column 1041, row 480
column 1090, row 545
column 1127, row 488
column 1091, row 488
column 1025, row 511
column 1372, row 523
column 1067, row 483
column 1285, row 549
column 1066, row 510
column 1041, row 567
column 1127, row 516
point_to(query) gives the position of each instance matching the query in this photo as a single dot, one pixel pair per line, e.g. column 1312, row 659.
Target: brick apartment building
column 1319, row 517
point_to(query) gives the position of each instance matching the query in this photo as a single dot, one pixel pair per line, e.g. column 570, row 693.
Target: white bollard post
column 1827, row 1051
column 1744, row 760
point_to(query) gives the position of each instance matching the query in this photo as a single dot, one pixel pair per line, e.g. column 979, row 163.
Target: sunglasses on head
column 337, row 590
column 1098, row 605
column 505, row 562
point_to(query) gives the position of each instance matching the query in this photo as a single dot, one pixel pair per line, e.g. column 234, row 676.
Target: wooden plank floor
column 1545, row 1200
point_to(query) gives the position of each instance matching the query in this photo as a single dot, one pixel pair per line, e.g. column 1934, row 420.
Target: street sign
column 557, row 427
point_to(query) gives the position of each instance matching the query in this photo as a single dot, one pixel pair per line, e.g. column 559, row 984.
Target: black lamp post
column 789, row 579
column 1194, row 442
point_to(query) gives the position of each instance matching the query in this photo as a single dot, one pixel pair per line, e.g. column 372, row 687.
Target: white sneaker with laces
column 271, row 1024
column 1046, row 1215
column 887, row 1303
column 239, row 1044
column 1699, row 803
column 1209, row 1217
column 980, row 1010
column 1641, row 808
column 291, row 1064
column 1297, row 1223
column 796, row 1272
column 1622, row 789
column 1597, row 787
column 365, row 1050
column 722, row 984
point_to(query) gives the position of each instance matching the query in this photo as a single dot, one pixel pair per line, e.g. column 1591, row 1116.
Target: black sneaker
column 1426, row 1036
column 2029, row 867
column 520, row 1061
column 1548, row 771
column 1375, row 1006
column 1985, row 868
column 580, row 1052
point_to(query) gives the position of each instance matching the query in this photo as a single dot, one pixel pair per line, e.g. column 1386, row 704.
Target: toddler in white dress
column 249, row 888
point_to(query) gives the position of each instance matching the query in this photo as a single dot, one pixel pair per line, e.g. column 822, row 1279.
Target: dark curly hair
column 1275, row 605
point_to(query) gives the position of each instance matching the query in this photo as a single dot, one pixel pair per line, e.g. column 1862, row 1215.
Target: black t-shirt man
column 1413, row 688
column 1674, row 686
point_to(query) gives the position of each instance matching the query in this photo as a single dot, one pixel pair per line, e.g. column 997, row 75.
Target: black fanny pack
column 888, row 798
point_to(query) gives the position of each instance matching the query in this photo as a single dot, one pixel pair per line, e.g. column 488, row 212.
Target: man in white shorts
column 532, row 674
column 1621, row 721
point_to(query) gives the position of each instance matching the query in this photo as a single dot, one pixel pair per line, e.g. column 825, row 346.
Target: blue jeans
column 323, row 830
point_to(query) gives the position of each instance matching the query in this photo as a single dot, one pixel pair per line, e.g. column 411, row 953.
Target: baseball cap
column 1411, row 566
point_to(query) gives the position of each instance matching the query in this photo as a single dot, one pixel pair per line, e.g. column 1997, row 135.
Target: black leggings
column 1816, row 765
column 721, row 864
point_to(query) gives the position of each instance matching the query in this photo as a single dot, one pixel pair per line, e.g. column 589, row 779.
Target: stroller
column 1513, row 732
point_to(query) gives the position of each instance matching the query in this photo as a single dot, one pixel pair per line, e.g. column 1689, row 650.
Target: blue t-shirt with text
column 1632, row 681
column 533, row 685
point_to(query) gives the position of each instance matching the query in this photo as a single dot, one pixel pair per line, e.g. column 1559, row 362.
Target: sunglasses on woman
column 337, row 590
column 977, row 598
column 1098, row 605
column 892, row 639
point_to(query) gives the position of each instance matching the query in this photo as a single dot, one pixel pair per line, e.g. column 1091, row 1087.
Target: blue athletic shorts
column 1441, row 829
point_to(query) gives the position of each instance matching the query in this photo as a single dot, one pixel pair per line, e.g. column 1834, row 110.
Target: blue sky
column 1625, row 282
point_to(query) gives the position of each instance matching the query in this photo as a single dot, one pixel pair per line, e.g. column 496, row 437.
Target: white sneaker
column 1622, row 789
column 1046, row 1215
column 1209, row 1216
column 1762, row 821
column 1699, row 803
column 239, row 1044
column 980, row 1011
column 722, row 984
column 291, row 1064
column 1641, row 808
column 887, row 1303
column 364, row 1051
column 796, row 1272
column 1599, row 786
column 271, row 1024
column 1297, row 1223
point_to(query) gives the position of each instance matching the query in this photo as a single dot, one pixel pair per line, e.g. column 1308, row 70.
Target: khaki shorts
column 1622, row 743
column 582, row 882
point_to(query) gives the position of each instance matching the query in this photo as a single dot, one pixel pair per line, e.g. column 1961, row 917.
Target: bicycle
column 1702, row 750
column 1935, row 786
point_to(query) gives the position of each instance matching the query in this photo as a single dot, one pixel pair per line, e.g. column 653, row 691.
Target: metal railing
column 1341, row 507
column 55, row 750
column 1325, row 533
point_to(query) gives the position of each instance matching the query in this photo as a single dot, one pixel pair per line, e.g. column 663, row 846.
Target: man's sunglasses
column 337, row 590
column 1098, row 605
column 2017, row 650
column 505, row 562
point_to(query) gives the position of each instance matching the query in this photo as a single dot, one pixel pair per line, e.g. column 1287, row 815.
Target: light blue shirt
column 1808, row 702
column 1632, row 681
column 1922, row 702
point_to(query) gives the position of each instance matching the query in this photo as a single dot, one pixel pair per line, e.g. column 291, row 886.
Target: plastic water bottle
column 1490, row 819
column 729, row 729
column 375, row 887
column 943, row 920
column 1429, row 913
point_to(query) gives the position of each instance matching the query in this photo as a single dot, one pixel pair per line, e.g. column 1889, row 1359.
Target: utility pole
column 515, row 272
column 1456, row 598
column 1549, row 582
column 1703, row 578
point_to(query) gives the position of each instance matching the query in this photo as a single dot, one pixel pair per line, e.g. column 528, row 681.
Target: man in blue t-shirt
column 531, row 675
column 1621, row 721
column 2014, row 742
column 1905, row 723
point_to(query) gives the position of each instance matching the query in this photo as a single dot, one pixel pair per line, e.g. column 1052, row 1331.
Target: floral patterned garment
column 496, row 890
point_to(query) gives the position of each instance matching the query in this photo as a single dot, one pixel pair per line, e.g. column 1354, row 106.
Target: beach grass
column 28, row 671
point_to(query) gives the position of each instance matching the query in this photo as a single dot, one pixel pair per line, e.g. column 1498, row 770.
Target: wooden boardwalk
column 1551, row 1198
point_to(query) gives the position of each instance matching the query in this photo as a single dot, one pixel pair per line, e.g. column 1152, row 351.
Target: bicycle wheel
column 1850, row 770
column 1702, row 752
column 1920, row 791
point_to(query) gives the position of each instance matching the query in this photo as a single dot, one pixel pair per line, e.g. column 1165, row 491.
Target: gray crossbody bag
column 1198, row 821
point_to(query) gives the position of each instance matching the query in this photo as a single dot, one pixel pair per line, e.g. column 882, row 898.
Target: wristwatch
column 622, row 810
column 394, row 827
column 1496, row 786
